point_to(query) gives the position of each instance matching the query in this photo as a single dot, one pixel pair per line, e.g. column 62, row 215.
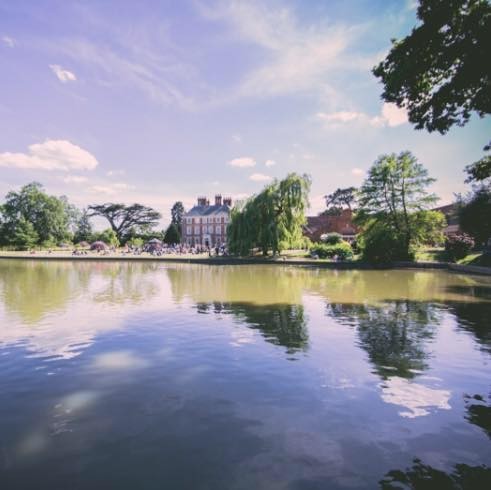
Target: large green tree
column 35, row 215
column 126, row 219
column 440, row 72
column 271, row 220
column 172, row 235
column 393, row 203
column 475, row 215
column 83, row 229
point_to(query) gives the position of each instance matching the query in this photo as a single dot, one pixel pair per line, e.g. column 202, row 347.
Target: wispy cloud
column 242, row 162
column 269, row 163
column 51, row 155
column 62, row 74
column 116, row 172
column 357, row 172
column 390, row 115
column 298, row 57
column 111, row 189
column 260, row 177
column 74, row 179
column 9, row 41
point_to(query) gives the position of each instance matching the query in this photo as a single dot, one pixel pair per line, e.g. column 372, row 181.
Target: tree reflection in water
column 424, row 477
column 479, row 412
column 280, row 324
column 395, row 335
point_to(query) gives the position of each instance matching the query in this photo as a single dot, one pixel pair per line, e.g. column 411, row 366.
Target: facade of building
column 341, row 223
column 451, row 212
column 205, row 224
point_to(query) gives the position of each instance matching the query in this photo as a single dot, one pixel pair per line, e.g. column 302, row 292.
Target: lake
column 132, row 375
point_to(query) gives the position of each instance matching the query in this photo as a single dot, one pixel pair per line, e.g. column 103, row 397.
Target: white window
column 218, row 229
column 196, row 230
column 188, row 230
column 189, row 220
column 210, row 229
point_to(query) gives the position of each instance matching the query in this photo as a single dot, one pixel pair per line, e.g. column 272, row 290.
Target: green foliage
column 438, row 72
column 83, row 230
column 427, row 228
column 475, row 215
column 177, row 212
column 340, row 199
column 392, row 201
column 342, row 250
column 332, row 238
column 172, row 235
column 32, row 217
column 271, row 220
column 135, row 242
column 126, row 220
column 381, row 243
column 108, row 236
column 480, row 171
column 458, row 246
column 23, row 235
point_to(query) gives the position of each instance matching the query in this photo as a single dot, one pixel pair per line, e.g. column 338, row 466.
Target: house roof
column 207, row 210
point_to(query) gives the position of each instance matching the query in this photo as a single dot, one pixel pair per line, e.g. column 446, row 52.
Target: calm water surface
column 155, row 376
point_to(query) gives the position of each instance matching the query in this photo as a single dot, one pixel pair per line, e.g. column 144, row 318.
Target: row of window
column 206, row 229
column 207, row 220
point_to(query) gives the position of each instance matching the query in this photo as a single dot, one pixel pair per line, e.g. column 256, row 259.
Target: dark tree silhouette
column 123, row 218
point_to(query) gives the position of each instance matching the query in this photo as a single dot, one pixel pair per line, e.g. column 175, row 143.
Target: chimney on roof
column 218, row 200
column 227, row 201
column 201, row 201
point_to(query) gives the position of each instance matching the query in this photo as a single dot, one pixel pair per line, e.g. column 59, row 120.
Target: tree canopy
column 177, row 212
column 341, row 198
column 172, row 235
column 393, row 203
column 439, row 72
column 32, row 217
column 271, row 220
column 475, row 215
column 123, row 219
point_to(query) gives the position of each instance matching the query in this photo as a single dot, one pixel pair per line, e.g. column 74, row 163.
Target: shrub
column 379, row 243
column 458, row 246
column 331, row 238
column 341, row 250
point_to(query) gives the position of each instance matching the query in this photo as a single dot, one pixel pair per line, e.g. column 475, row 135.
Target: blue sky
column 158, row 101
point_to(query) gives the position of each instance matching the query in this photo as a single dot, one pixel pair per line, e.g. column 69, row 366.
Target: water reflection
column 479, row 411
column 395, row 335
column 284, row 325
column 421, row 476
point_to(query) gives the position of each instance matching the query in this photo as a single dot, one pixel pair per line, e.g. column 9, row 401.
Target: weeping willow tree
column 271, row 220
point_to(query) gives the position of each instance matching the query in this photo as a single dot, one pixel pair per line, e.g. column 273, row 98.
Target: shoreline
column 347, row 265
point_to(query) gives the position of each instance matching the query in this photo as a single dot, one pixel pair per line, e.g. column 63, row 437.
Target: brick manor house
column 206, row 224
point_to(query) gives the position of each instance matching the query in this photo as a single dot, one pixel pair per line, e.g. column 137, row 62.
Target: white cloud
column 113, row 173
column 62, row 74
column 237, row 138
column 8, row 41
column 110, row 189
column 357, row 172
column 242, row 162
column 51, row 155
column 260, row 178
column 270, row 163
column 74, row 179
column 391, row 115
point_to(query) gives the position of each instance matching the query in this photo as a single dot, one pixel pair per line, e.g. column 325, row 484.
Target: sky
column 161, row 100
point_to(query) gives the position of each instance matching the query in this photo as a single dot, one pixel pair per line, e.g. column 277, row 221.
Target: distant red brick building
column 451, row 212
column 336, row 223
